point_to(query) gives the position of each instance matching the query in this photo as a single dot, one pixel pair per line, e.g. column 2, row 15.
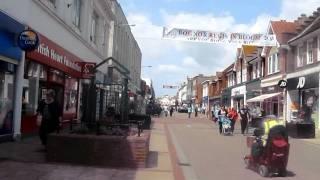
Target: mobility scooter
column 272, row 156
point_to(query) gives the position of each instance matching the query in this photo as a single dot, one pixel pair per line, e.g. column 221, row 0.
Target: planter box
column 109, row 151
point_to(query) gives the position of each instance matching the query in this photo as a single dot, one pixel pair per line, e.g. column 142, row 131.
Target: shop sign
column 282, row 83
column 87, row 69
column 28, row 40
column 303, row 82
column 238, row 91
column 51, row 54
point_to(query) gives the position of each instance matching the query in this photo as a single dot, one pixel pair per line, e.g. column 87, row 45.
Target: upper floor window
column 258, row 64
column 254, row 70
column 244, row 75
column 318, row 45
column 310, row 52
column 53, row 2
column 300, row 56
column 94, row 27
column 76, row 12
column 238, row 77
column 273, row 63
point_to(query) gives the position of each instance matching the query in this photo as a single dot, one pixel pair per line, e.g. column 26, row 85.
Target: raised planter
column 109, row 151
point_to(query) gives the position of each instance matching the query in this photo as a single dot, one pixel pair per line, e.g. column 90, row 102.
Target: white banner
column 219, row 37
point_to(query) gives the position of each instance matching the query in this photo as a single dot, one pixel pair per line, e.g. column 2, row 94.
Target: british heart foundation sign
column 53, row 55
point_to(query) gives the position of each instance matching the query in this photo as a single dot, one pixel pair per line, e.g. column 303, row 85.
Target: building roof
column 282, row 26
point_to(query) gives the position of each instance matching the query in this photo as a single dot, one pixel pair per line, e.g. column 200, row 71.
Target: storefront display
column 238, row 96
column 303, row 104
column 50, row 67
column 10, row 55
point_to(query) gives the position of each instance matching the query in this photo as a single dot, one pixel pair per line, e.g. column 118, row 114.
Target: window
column 299, row 56
column 310, row 52
column 76, row 12
column 244, row 75
column 273, row 63
column 239, row 77
column 53, row 2
column 254, row 67
column 318, row 45
column 258, row 69
column 94, row 28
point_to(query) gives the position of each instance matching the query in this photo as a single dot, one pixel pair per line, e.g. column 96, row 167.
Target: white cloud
column 169, row 68
column 291, row 9
column 190, row 62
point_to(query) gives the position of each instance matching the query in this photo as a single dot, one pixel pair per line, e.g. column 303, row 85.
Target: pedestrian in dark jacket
column 244, row 115
column 50, row 114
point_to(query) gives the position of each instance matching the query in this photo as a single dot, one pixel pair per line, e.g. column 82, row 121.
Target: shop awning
column 263, row 97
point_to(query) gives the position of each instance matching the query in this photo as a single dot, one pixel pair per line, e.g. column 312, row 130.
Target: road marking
column 183, row 161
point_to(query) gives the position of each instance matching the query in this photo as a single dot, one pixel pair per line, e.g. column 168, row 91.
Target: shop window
column 70, row 96
column 6, row 102
column 310, row 52
column 56, row 76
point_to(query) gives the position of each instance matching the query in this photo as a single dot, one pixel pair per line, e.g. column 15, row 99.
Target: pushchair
column 273, row 156
column 226, row 125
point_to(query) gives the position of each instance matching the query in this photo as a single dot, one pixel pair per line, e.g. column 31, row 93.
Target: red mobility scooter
column 272, row 157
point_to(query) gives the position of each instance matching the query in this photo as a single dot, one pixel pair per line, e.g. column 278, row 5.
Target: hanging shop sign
column 53, row 55
column 28, row 40
column 87, row 69
column 303, row 82
column 282, row 83
column 219, row 37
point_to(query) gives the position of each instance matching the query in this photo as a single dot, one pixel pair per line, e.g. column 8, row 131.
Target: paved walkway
column 25, row 160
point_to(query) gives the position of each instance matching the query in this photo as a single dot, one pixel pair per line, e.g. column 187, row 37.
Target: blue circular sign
column 28, row 40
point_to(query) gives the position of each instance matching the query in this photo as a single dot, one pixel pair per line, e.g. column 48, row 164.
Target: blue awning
column 9, row 30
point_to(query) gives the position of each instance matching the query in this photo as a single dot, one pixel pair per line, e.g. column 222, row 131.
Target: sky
column 173, row 61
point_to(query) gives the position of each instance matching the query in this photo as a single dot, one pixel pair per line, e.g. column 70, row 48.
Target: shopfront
column 274, row 104
column 10, row 55
column 215, row 102
column 238, row 97
column 303, row 99
column 50, row 67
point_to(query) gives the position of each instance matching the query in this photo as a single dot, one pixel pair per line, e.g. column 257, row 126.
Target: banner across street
column 219, row 37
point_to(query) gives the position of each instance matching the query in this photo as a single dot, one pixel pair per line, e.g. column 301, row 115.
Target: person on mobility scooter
column 271, row 156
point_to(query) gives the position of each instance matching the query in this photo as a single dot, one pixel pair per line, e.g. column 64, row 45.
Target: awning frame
column 263, row 97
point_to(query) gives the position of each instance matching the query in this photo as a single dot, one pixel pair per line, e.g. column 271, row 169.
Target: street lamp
column 147, row 66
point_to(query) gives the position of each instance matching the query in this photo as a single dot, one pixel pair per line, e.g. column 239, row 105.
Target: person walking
column 189, row 111
column 50, row 114
column 222, row 113
column 171, row 111
column 196, row 111
column 233, row 115
column 244, row 115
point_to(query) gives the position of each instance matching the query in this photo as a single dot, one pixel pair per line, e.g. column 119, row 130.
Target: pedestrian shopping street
column 180, row 148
